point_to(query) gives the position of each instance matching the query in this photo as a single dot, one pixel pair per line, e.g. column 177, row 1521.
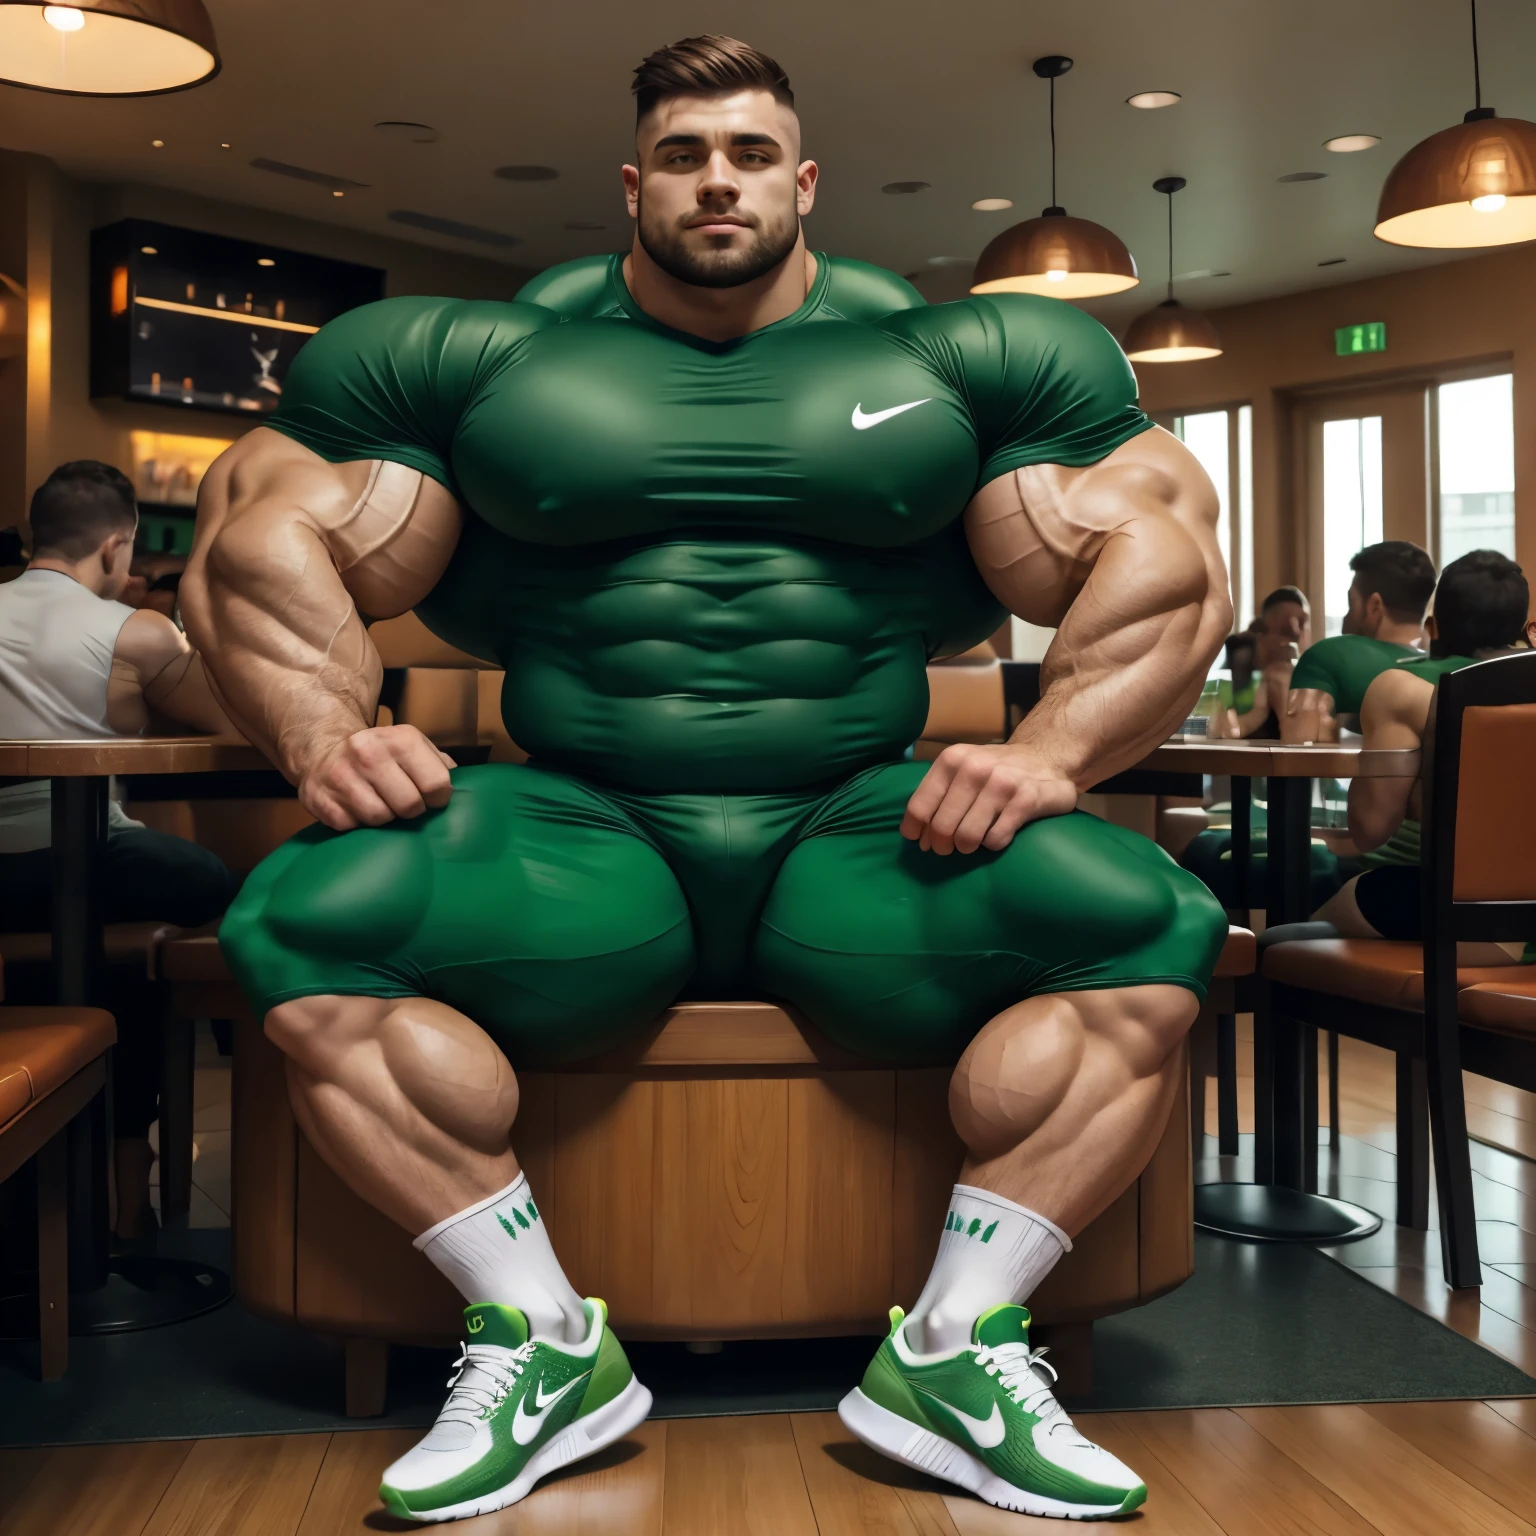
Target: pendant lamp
column 1474, row 184
column 1170, row 333
column 1055, row 254
column 107, row 47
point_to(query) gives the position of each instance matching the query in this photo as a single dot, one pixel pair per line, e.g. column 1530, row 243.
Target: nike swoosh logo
column 862, row 423
column 987, row 1432
column 526, row 1426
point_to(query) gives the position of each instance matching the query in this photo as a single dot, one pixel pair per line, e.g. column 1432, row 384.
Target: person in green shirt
column 1480, row 608
column 1385, row 624
column 712, row 505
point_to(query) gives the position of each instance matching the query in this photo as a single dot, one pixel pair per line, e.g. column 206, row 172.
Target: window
column 1223, row 443
column 1476, row 507
column 1351, row 507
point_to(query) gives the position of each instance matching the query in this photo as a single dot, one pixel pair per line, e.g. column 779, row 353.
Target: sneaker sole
column 916, row 1447
column 582, row 1438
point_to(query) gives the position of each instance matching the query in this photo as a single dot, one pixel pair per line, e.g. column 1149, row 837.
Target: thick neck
column 720, row 314
column 1395, row 633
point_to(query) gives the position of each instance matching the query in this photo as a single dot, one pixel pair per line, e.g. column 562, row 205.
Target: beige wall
column 1440, row 317
column 45, row 222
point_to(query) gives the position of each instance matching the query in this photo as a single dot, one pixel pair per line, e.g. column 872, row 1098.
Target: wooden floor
column 1411, row 1469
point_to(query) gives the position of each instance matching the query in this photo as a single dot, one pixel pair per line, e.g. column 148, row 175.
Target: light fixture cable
column 1477, row 68
column 1053, row 139
column 1170, row 247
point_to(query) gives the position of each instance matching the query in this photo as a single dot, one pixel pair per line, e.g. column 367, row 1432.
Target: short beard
column 716, row 269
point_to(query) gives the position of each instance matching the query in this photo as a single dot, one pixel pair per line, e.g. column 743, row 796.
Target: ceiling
column 895, row 91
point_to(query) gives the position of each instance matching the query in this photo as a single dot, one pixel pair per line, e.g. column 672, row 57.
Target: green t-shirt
column 1345, row 666
column 713, row 566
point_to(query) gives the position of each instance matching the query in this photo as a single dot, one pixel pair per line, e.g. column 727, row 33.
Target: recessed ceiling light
column 526, row 173
column 265, row 261
column 902, row 188
column 1333, row 261
column 225, row 146
column 157, row 143
column 584, row 224
column 1149, row 101
column 408, row 133
column 338, row 194
column 1304, row 176
column 149, row 250
column 992, row 204
column 1352, row 143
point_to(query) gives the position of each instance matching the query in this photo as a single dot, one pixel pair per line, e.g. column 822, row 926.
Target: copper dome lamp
column 1170, row 333
column 107, row 47
column 1056, row 254
column 1471, row 185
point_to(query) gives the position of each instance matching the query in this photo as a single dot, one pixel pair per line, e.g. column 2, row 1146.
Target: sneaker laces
column 482, row 1377
column 1021, row 1372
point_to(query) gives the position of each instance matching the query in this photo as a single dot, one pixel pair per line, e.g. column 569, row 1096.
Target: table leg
column 1278, row 1207
column 107, row 1295
column 1242, row 847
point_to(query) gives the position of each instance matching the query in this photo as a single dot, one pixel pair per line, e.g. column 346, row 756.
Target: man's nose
column 719, row 179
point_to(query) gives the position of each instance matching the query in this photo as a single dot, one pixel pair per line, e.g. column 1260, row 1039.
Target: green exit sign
column 1349, row 339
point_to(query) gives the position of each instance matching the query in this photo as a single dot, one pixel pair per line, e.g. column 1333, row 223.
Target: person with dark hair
column 1384, row 625
column 713, row 502
column 1480, row 607
column 76, row 662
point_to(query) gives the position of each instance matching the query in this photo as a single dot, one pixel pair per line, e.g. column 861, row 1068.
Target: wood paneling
column 1167, row 1242
column 346, row 1490
column 1382, row 1476
column 855, row 1491
column 1472, row 1441
column 263, row 1172
column 94, row 1490
column 739, row 1475
column 927, row 1158
column 247, row 1487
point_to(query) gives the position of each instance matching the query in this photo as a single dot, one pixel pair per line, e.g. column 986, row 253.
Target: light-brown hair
column 707, row 66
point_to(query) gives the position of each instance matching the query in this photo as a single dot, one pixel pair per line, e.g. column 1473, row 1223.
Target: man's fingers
column 398, row 790
column 979, row 819
column 928, row 796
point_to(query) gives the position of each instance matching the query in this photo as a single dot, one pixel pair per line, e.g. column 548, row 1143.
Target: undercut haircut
column 1480, row 605
column 79, row 507
column 1402, row 573
column 707, row 66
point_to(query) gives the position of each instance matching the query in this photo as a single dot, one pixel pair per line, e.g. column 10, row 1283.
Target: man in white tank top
column 75, row 662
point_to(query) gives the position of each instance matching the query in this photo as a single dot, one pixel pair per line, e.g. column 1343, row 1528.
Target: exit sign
column 1349, row 339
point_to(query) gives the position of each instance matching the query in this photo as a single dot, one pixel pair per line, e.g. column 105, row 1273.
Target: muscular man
column 77, row 662
column 713, row 506
column 1480, row 608
column 1388, row 594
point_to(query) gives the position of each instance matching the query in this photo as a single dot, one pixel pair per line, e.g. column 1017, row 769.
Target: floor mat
column 1257, row 1324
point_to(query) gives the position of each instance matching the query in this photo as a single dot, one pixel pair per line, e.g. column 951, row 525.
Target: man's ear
column 805, row 187
column 631, row 177
column 1431, row 631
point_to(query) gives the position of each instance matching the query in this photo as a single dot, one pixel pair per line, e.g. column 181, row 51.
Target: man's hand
column 979, row 796
column 1309, row 717
column 374, row 776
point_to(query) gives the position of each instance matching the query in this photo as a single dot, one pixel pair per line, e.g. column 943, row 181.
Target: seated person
column 75, row 662
column 1479, row 611
column 1243, row 707
column 1384, row 625
column 713, row 502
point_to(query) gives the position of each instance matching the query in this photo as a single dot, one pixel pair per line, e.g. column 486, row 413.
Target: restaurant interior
column 1307, row 1300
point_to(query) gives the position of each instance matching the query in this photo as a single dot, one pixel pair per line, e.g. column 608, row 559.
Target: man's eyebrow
column 738, row 140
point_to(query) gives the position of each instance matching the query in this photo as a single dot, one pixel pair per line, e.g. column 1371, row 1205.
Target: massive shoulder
column 1395, row 709
column 1036, row 531
column 389, row 528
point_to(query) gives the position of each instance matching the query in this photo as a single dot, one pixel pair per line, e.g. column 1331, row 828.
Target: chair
column 1479, row 885
column 52, row 1070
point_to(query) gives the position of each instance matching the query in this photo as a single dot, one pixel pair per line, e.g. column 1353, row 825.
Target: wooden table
column 1282, row 1203
column 108, row 1295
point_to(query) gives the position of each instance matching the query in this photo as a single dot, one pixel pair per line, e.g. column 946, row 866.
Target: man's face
column 1288, row 620
column 719, row 190
column 1357, row 621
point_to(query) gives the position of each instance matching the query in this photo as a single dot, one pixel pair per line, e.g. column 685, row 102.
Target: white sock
column 499, row 1250
column 992, row 1251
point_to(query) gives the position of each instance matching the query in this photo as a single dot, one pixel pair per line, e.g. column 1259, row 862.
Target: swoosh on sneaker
column 862, row 423
column 986, row 1433
column 526, row 1426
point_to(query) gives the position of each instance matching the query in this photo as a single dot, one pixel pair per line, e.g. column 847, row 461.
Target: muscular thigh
column 904, row 955
column 529, row 902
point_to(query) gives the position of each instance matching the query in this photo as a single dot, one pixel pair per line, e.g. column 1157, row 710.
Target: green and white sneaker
column 519, row 1409
column 984, row 1417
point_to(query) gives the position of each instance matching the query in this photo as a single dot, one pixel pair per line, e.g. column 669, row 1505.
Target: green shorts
column 562, row 917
